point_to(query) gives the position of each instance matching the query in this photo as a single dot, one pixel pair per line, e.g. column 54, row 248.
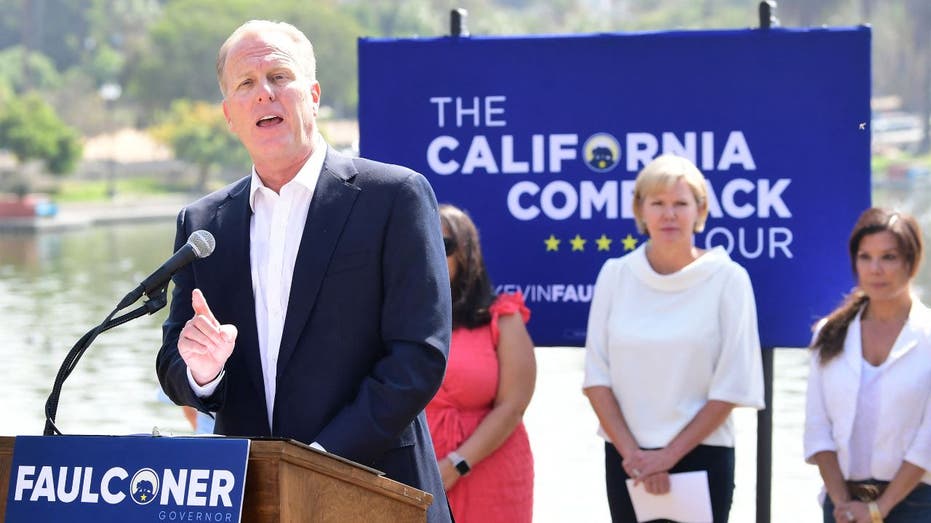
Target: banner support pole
column 457, row 22
column 764, row 443
column 768, row 14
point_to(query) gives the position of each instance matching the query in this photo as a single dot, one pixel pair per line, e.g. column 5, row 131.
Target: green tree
column 394, row 18
column 920, row 29
column 197, row 132
column 54, row 29
column 334, row 33
column 42, row 73
column 179, row 60
column 30, row 130
column 76, row 33
column 115, row 30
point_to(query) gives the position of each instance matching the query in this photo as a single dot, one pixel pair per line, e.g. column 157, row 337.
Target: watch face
column 463, row 467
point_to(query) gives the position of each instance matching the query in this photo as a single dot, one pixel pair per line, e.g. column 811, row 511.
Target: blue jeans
column 915, row 508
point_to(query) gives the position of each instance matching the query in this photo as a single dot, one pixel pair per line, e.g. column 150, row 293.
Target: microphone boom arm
column 155, row 288
column 157, row 300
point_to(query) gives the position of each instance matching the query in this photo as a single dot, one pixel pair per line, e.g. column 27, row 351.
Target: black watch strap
column 459, row 462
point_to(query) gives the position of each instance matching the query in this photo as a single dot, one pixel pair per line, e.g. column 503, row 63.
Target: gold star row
column 578, row 243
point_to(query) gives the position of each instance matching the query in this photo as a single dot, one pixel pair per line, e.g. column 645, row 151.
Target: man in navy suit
column 323, row 315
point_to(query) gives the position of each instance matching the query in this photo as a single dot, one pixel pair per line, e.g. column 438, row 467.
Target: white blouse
column 667, row 344
column 865, row 422
column 901, row 390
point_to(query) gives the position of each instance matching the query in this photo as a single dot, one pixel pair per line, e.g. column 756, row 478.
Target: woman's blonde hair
column 663, row 172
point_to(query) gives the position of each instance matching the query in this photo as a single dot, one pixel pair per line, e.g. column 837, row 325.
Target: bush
column 198, row 133
column 30, row 130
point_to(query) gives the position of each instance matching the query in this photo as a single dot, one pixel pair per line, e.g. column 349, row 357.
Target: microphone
column 200, row 244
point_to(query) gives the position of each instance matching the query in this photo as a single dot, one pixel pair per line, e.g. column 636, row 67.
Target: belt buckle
column 864, row 492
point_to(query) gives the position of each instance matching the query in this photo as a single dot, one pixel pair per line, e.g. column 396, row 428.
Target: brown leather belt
column 866, row 492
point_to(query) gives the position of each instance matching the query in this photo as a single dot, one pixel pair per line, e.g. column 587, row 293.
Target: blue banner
column 540, row 139
column 129, row 478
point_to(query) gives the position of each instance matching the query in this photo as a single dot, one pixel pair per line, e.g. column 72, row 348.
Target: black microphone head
column 202, row 242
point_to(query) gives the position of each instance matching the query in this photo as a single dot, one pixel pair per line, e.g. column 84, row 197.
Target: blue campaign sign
column 540, row 139
column 126, row 478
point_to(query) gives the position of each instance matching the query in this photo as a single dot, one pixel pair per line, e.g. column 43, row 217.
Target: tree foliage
column 161, row 50
column 30, row 130
column 37, row 72
column 180, row 59
column 54, row 29
column 197, row 132
column 92, row 34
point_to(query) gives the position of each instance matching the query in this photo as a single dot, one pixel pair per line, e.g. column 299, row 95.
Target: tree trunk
column 203, row 174
column 26, row 40
column 920, row 15
column 925, row 146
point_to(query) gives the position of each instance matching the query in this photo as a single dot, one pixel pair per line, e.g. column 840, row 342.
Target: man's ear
column 226, row 115
column 315, row 96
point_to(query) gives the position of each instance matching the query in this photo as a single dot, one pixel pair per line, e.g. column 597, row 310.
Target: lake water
column 53, row 288
column 56, row 286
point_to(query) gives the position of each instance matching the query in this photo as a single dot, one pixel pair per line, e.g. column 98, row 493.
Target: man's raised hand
column 205, row 344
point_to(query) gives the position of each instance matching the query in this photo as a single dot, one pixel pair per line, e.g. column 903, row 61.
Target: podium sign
column 108, row 478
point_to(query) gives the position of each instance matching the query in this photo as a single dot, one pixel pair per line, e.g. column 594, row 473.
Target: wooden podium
column 289, row 482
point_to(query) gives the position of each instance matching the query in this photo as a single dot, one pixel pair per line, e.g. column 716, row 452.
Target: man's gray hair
column 304, row 50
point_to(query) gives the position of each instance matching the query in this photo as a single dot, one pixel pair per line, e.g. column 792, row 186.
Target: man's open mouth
column 268, row 121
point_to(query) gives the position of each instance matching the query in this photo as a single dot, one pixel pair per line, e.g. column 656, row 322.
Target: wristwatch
column 459, row 462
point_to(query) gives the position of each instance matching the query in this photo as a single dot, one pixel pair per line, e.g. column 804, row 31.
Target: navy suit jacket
column 367, row 329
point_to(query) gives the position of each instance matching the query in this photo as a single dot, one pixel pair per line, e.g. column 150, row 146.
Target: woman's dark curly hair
column 471, row 287
column 830, row 340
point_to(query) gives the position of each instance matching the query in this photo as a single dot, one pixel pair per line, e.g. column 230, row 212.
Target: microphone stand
column 157, row 299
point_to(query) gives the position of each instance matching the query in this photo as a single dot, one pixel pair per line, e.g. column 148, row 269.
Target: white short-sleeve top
column 667, row 343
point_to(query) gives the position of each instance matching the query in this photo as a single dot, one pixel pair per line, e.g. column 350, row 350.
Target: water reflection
column 53, row 288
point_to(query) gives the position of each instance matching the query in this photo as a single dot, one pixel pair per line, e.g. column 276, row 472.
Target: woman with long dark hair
column 476, row 417
column 868, row 414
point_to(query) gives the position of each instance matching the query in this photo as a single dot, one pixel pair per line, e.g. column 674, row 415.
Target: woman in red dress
column 476, row 417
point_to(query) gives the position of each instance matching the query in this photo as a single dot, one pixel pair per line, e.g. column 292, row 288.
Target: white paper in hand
column 688, row 499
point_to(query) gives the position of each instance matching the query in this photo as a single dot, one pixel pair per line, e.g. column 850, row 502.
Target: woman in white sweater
column 672, row 346
column 868, row 414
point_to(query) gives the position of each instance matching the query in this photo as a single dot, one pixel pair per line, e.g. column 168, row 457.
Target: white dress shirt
column 666, row 344
column 275, row 233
